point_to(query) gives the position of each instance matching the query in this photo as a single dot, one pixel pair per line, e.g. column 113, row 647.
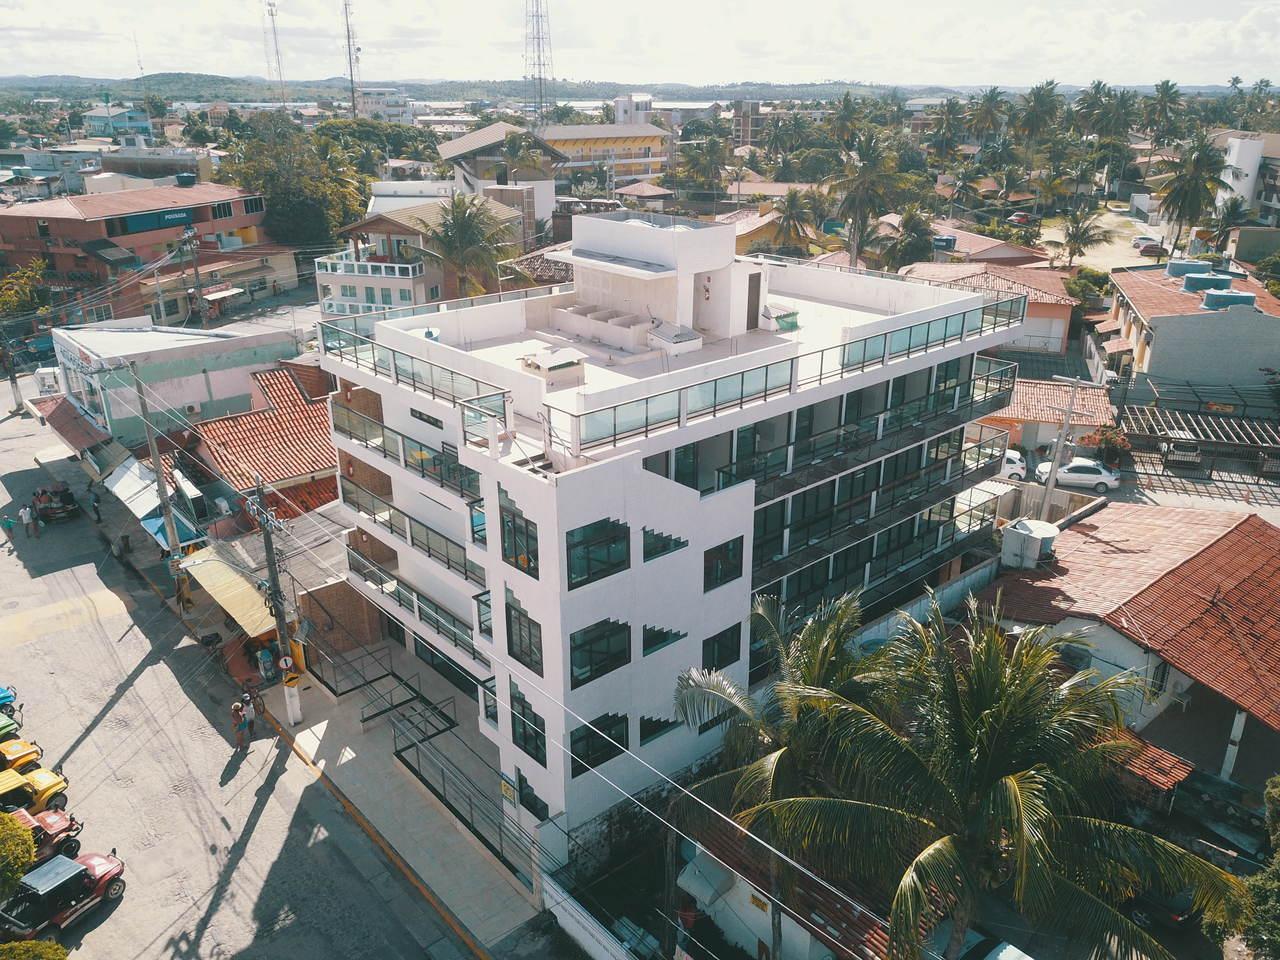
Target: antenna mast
column 538, row 72
column 275, row 41
column 353, row 53
column 142, row 74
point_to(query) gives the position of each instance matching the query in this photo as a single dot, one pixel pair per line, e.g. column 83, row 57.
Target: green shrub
column 1098, row 279
column 33, row 950
column 17, row 851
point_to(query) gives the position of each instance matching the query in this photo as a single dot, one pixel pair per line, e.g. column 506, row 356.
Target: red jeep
column 58, row 893
column 53, row 831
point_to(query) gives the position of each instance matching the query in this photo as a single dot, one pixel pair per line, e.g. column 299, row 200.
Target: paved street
column 228, row 855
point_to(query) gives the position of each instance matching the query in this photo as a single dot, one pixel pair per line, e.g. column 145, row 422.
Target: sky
column 1006, row 42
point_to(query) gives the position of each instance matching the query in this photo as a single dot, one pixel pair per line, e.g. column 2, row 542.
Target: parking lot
column 227, row 854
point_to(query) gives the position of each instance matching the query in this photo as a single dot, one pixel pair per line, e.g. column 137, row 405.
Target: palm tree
column 775, row 137
column 705, row 161
column 963, row 766
column 1196, row 177
column 1035, row 115
column 469, row 242
column 987, row 113
column 767, row 750
column 794, row 218
column 867, row 185
column 1089, row 103
column 1008, row 182
column 965, row 180
column 844, row 119
column 912, row 242
column 819, row 204
column 796, row 126
column 517, row 153
column 1049, row 188
column 1081, row 230
column 1234, row 212
column 1159, row 115
column 947, row 128
column 998, row 153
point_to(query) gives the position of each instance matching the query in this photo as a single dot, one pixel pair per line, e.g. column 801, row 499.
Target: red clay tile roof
column 293, row 501
column 75, row 429
column 1200, row 588
column 1109, row 325
column 315, row 382
column 289, row 439
column 1042, row 401
column 1040, row 286
column 1216, row 618
column 96, row 206
column 1158, row 767
column 1153, row 293
column 973, row 244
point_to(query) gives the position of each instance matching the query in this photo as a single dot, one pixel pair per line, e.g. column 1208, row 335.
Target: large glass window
column 529, row 799
column 660, row 544
column 722, row 649
column 767, row 533
column 598, row 649
column 519, row 536
column 597, row 550
column 524, row 635
column 722, row 564
column 592, row 747
column 528, row 729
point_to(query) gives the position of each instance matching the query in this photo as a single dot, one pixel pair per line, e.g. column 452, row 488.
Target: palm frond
column 938, row 878
column 703, row 695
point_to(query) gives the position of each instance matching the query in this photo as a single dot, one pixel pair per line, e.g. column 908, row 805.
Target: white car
column 977, row 945
column 1015, row 466
column 1081, row 472
column 1139, row 242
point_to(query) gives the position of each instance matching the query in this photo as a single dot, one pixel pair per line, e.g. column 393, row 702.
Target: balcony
column 882, row 508
column 369, row 264
column 790, row 467
column 443, row 550
column 441, row 467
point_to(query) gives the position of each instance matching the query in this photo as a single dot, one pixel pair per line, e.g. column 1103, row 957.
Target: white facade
column 1253, row 173
column 672, row 406
column 388, row 103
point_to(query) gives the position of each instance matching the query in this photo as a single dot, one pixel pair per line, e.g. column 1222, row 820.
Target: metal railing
column 612, row 424
column 439, row 466
column 444, row 550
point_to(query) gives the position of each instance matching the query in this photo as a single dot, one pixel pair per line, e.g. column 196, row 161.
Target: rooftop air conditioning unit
column 192, row 408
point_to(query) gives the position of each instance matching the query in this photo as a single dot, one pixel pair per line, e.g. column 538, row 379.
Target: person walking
column 250, row 714
column 94, row 501
column 8, row 523
column 238, row 723
column 26, row 514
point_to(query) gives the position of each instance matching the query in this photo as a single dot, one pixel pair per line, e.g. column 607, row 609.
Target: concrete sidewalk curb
column 450, row 919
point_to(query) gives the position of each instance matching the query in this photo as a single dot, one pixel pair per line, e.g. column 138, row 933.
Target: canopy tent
column 186, row 533
column 222, row 294
column 220, row 569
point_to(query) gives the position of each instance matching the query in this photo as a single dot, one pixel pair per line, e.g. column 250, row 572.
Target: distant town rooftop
column 100, row 206
column 1154, row 293
column 145, row 337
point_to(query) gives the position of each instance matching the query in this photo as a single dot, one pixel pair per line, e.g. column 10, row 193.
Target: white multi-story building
column 385, row 103
column 573, row 493
column 1253, row 171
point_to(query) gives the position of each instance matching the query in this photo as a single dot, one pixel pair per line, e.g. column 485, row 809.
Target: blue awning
column 186, row 535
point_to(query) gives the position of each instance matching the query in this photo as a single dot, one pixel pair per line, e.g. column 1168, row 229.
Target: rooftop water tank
column 1026, row 543
column 1221, row 299
column 944, row 242
column 185, row 179
column 1180, row 268
column 1195, row 282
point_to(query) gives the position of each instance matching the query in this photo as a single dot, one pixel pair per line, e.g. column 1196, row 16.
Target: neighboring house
column 1049, row 305
column 397, row 168
column 1254, row 171
column 228, row 278
column 646, row 193
column 199, row 373
column 1185, row 321
column 386, row 103
column 529, row 474
column 1249, row 245
column 953, row 242
column 76, row 162
column 986, row 187
column 102, row 240
column 536, row 269
column 388, row 263
column 1034, row 415
column 759, row 224
column 748, row 188
column 630, row 151
column 477, row 163
column 114, row 121
column 1188, row 600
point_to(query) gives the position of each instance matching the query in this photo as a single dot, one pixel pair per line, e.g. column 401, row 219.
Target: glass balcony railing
column 369, row 263
column 789, row 467
column 439, row 466
column 436, row 545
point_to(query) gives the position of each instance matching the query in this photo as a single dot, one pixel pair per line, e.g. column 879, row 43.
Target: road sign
column 291, row 679
column 285, row 662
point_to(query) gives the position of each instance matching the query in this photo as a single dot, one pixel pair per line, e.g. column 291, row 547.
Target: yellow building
column 759, row 223
column 634, row 151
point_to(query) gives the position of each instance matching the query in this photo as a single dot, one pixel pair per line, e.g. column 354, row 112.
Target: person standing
column 25, row 514
column 250, row 714
column 238, row 723
column 94, row 501
column 8, row 523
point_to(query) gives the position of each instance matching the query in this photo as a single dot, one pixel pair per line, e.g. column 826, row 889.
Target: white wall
column 1245, row 154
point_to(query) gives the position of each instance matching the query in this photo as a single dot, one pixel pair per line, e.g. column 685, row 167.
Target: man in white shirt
column 27, row 516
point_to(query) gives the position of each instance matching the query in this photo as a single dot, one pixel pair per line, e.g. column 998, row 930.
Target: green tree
column 1160, row 115
column 156, row 105
column 962, row 766
column 844, row 119
column 867, row 186
column 911, row 243
column 947, row 128
column 1082, row 230
column 987, row 112
column 33, row 950
column 17, row 853
column 795, row 218
column 775, row 137
column 1195, row 177
column 1035, row 115
column 8, row 131
column 1233, row 213
column 469, row 241
column 20, row 294
column 519, row 154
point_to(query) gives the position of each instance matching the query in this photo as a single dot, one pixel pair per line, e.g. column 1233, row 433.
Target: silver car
column 1081, row 472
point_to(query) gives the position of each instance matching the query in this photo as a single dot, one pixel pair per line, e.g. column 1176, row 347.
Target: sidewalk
column 466, row 878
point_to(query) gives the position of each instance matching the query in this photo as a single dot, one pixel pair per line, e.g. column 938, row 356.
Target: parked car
column 54, row 833
column 9, row 727
column 58, row 893
column 1152, row 250
column 1180, row 447
column 1021, row 218
column 1015, row 466
column 1081, row 472
column 19, row 755
column 1157, row 909
column 978, row 945
column 1142, row 241
column 33, row 791
column 7, row 697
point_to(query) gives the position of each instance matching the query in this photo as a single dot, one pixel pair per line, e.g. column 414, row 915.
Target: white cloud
column 1009, row 42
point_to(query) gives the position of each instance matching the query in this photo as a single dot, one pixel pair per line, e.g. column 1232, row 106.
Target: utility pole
column 170, row 525
column 159, row 299
column 12, row 373
column 193, row 244
column 267, row 521
column 1051, row 481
